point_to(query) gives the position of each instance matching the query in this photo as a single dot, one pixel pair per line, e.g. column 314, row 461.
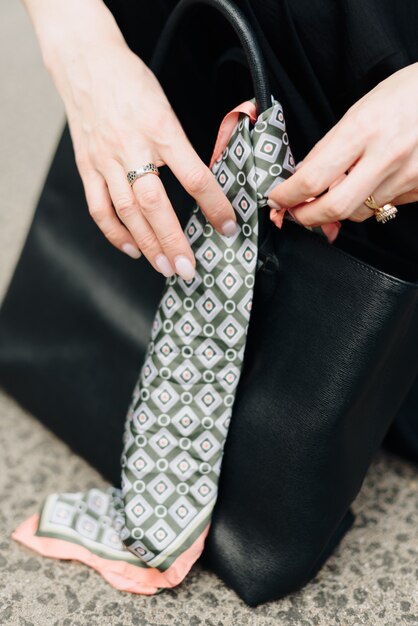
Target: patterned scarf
column 146, row 535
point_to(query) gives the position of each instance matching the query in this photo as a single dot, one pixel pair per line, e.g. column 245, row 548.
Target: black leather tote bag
column 330, row 359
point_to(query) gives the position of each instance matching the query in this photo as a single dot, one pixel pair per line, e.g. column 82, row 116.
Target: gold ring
column 382, row 213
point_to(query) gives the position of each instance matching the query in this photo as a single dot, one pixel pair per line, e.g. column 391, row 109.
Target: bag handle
column 258, row 69
column 242, row 27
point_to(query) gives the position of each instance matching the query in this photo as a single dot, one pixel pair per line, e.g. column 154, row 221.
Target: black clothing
column 324, row 56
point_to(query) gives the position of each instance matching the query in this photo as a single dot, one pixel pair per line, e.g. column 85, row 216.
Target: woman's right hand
column 120, row 119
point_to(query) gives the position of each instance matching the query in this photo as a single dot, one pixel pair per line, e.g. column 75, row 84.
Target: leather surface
column 331, row 353
column 75, row 322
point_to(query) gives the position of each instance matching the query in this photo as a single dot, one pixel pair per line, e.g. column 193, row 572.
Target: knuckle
column 162, row 128
column 398, row 150
column 125, row 206
column 218, row 213
column 146, row 241
column 338, row 211
column 308, row 220
column 363, row 123
column 97, row 213
column 341, row 203
column 310, row 183
column 197, row 181
column 334, row 211
column 112, row 234
column 150, row 199
column 171, row 239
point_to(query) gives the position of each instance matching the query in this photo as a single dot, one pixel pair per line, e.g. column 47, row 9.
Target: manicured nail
column 164, row 265
column 229, row 228
column 333, row 233
column 273, row 204
column 129, row 249
column 184, row 267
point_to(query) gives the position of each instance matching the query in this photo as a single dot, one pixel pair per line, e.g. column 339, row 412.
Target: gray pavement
column 372, row 578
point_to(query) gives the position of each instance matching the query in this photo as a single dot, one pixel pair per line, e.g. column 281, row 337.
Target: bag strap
column 245, row 32
column 249, row 37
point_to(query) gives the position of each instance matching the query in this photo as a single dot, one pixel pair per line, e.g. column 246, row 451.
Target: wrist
column 68, row 31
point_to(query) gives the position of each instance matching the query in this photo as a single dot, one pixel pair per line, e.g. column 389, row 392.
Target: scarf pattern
column 146, row 535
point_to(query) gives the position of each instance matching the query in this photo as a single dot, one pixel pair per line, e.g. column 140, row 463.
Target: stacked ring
column 382, row 213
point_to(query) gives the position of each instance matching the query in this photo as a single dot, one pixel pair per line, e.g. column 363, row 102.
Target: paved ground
column 373, row 577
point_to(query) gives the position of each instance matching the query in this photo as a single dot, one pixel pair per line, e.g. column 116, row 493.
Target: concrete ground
column 372, row 579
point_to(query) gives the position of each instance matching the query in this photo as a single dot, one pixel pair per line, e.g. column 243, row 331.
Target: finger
column 397, row 188
column 323, row 164
column 406, row 198
column 128, row 211
column 361, row 213
column 199, row 181
column 344, row 198
column 159, row 213
column 101, row 210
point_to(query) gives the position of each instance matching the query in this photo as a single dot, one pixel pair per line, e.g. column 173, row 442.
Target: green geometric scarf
column 146, row 535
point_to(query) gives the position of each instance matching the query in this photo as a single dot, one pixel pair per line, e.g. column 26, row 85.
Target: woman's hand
column 372, row 150
column 120, row 119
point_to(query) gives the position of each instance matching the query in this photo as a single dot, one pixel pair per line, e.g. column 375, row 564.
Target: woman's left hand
column 372, row 150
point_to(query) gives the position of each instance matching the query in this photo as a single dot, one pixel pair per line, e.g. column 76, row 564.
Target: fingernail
column 333, row 233
column 229, row 228
column 129, row 249
column 276, row 218
column 184, row 267
column 298, row 165
column 164, row 265
column 273, row 204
